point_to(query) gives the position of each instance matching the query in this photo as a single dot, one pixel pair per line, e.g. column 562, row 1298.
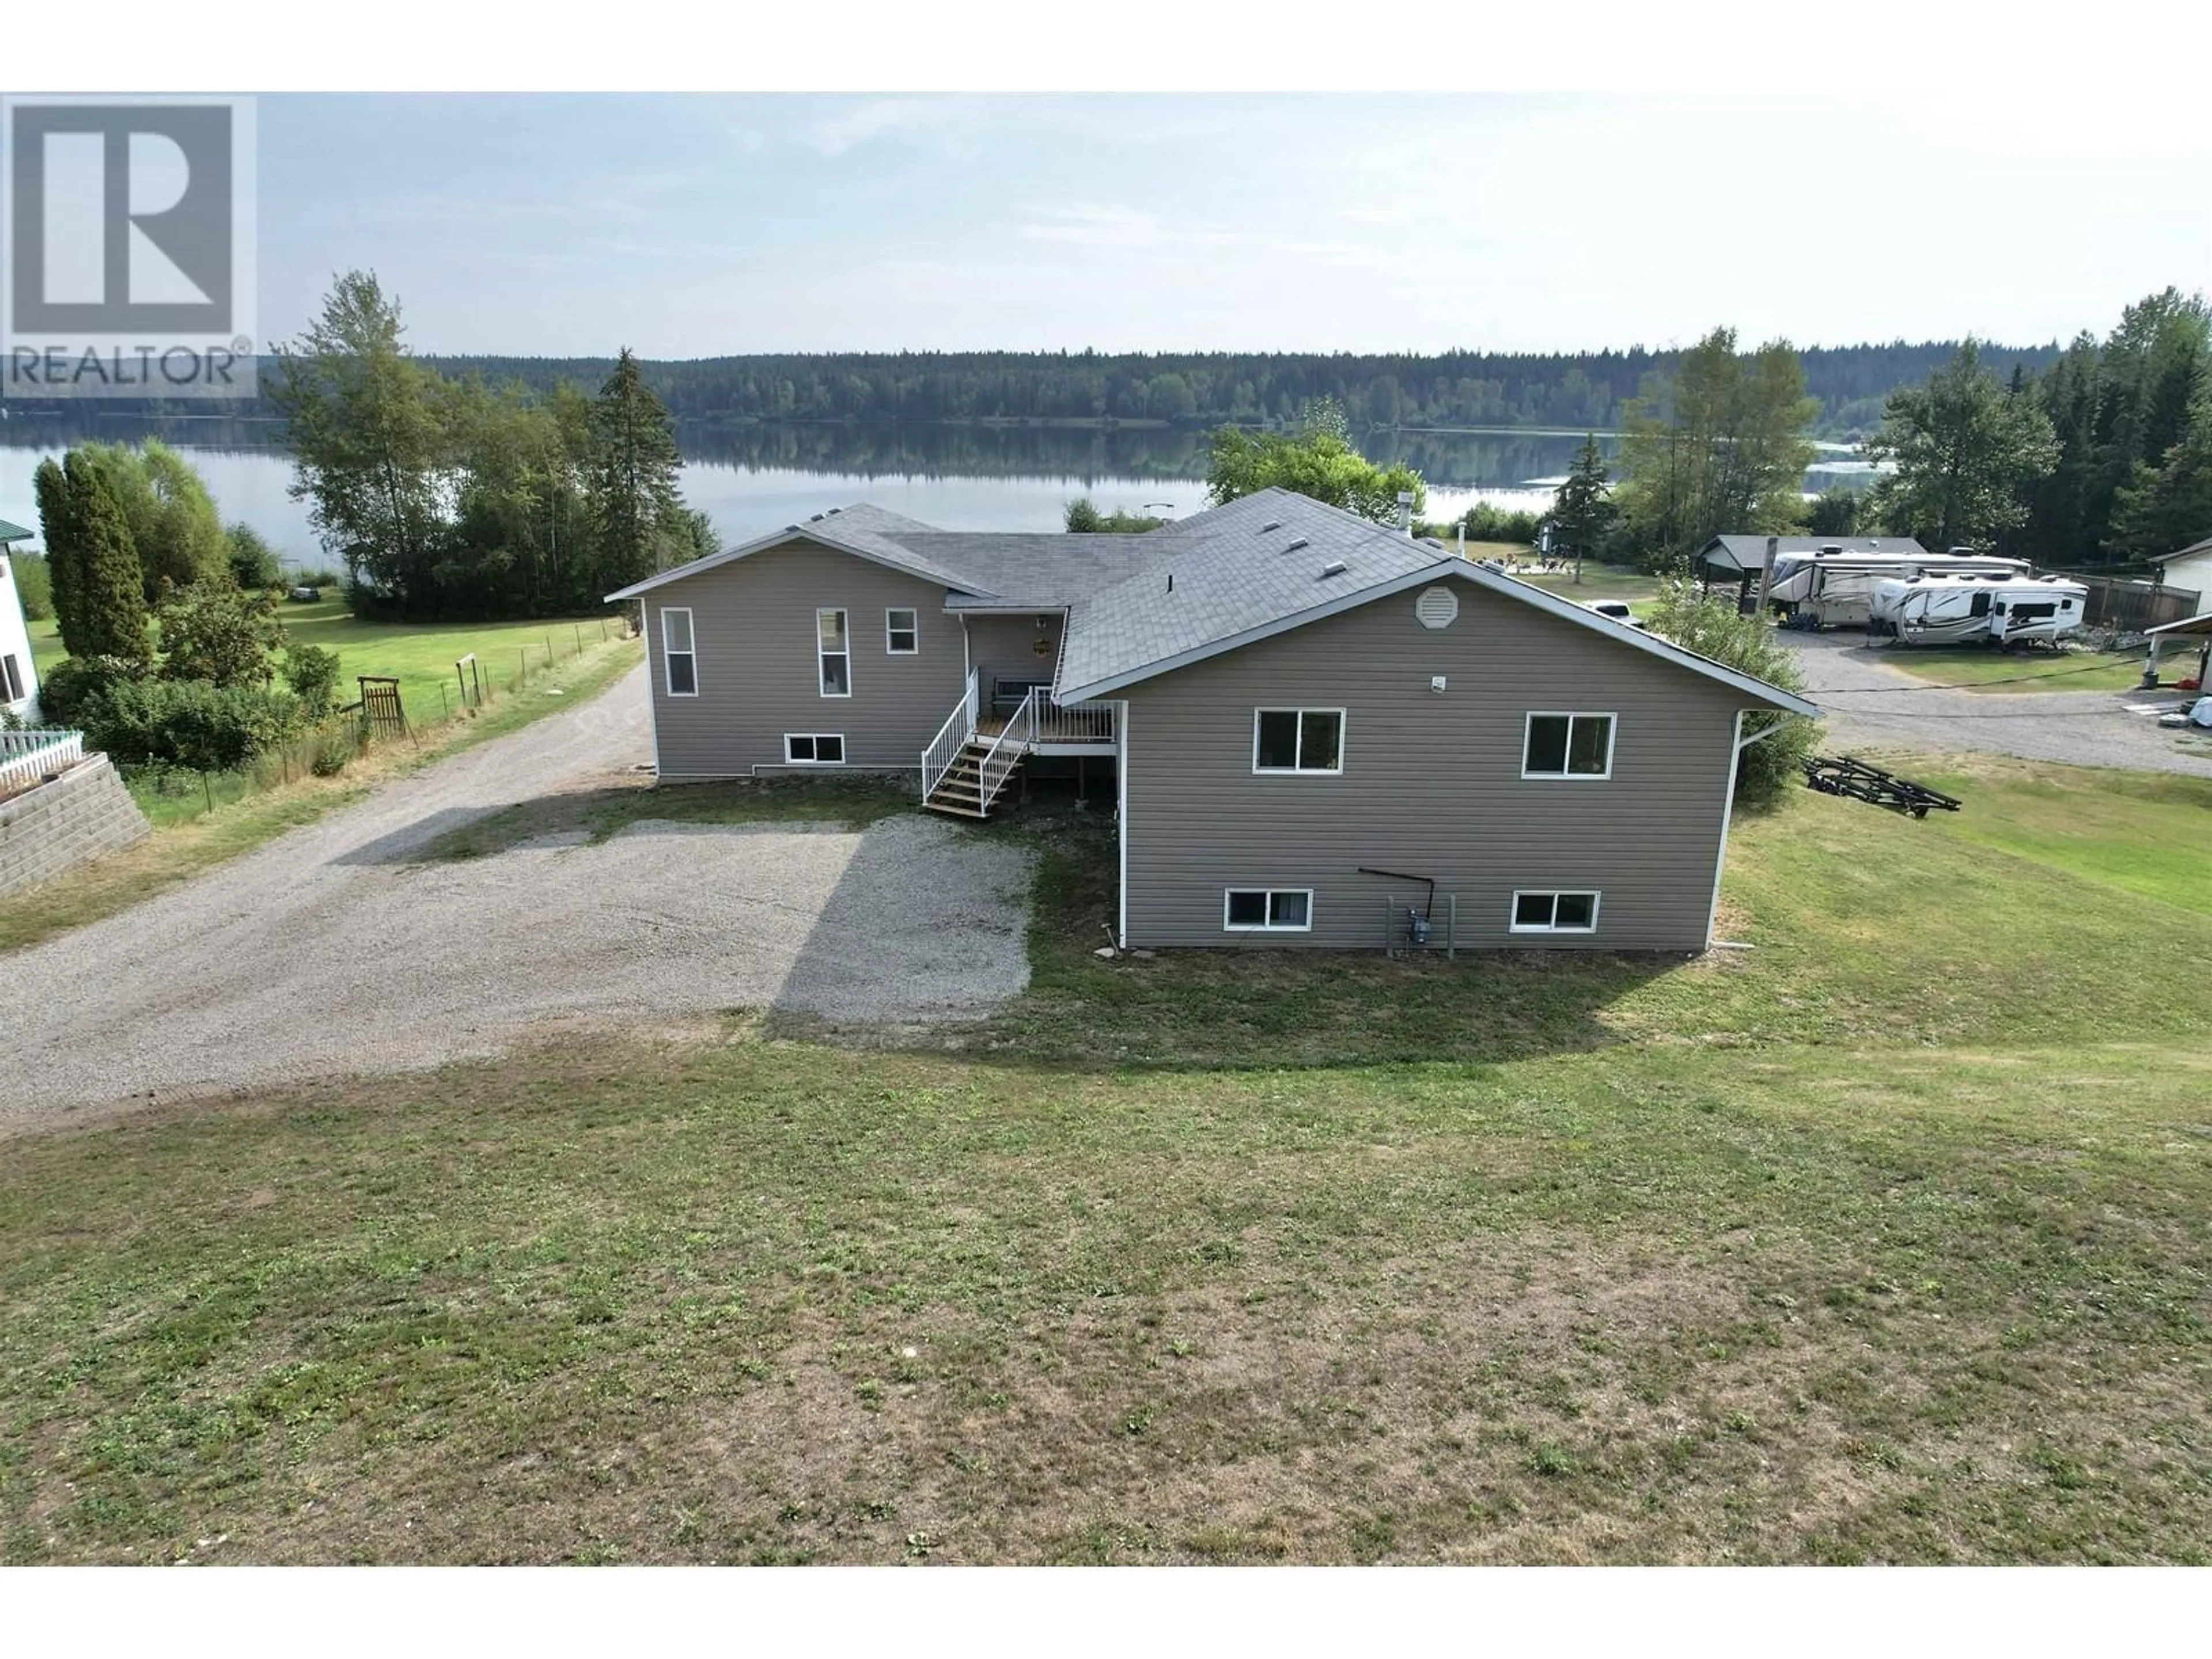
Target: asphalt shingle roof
column 1048, row 570
column 1139, row 605
column 12, row 532
column 1256, row 562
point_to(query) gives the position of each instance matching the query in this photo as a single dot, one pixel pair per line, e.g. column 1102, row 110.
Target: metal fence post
column 1451, row 927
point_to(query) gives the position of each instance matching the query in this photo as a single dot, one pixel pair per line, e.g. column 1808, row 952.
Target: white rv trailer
column 1833, row 588
column 1949, row 608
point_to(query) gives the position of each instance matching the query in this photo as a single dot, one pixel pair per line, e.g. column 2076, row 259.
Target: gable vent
column 1334, row 567
column 1296, row 545
column 1272, row 524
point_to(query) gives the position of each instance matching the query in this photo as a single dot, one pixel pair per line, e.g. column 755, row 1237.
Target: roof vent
column 1831, row 549
column 1334, row 567
column 1272, row 524
column 1296, row 545
column 814, row 517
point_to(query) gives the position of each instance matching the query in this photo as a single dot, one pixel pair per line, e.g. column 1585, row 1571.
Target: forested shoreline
column 1574, row 392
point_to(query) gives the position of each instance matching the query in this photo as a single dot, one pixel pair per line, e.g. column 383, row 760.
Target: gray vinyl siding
column 1431, row 783
column 1004, row 647
column 753, row 624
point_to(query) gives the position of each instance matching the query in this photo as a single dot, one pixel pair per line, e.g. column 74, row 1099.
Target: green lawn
column 1599, row 581
column 1979, row 668
column 188, row 840
column 419, row 655
column 1890, row 1239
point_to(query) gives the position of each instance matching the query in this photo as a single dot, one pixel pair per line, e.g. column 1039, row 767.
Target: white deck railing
column 1007, row 749
column 28, row 757
column 1077, row 722
column 951, row 737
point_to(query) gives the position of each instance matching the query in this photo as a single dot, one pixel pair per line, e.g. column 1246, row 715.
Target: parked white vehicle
column 1616, row 610
column 1950, row 609
column 1836, row 589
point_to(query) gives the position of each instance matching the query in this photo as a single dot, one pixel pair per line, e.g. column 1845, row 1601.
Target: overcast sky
column 696, row 227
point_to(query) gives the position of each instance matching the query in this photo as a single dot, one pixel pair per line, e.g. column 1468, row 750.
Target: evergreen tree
column 1583, row 511
column 64, row 554
column 112, row 596
column 1968, row 453
column 2165, row 508
column 633, row 472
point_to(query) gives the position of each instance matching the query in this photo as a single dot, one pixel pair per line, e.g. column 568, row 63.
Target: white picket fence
column 28, row 758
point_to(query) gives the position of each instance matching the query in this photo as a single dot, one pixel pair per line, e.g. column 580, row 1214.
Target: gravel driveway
column 1868, row 704
column 325, row 952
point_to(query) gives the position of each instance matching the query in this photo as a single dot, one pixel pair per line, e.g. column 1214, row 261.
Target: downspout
column 1728, row 809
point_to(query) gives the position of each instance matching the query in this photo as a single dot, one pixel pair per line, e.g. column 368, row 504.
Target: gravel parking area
column 327, row 952
column 1870, row 705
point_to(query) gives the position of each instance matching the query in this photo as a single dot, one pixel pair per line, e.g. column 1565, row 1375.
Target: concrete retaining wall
column 80, row 815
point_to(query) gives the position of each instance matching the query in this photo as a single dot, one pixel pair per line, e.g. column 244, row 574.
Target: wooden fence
column 2129, row 607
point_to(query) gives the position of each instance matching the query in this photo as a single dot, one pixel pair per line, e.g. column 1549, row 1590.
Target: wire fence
column 172, row 795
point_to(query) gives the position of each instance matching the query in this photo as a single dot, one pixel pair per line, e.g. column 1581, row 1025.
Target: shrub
column 214, row 631
column 70, row 686
column 190, row 723
column 334, row 750
column 312, row 674
column 1710, row 627
column 1486, row 522
column 35, row 584
column 253, row 563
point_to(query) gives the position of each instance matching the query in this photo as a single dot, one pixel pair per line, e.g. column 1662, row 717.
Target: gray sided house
column 1309, row 718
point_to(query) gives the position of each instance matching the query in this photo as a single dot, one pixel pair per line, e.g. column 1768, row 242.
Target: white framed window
column 678, row 655
column 1554, row 913
column 1298, row 740
column 1576, row 747
column 1267, row 910
column 901, row 632
column 833, row 648
column 11, row 680
column 814, row 747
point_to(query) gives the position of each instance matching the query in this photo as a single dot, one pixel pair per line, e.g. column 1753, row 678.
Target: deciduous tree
column 1317, row 460
column 1719, row 447
column 1967, row 454
column 367, row 430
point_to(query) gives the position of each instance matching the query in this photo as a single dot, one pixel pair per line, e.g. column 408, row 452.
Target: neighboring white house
column 19, row 678
column 2190, row 569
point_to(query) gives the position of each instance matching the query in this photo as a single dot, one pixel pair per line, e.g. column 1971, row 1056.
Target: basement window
column 1267, row 910
column 1554, row 913
column 814, row 747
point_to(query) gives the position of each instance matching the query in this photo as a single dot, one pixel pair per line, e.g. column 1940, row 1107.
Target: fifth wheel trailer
column 1828, row 589
column 1949, row 607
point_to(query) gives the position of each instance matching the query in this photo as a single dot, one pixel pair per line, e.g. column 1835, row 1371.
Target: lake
column 752, row 480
